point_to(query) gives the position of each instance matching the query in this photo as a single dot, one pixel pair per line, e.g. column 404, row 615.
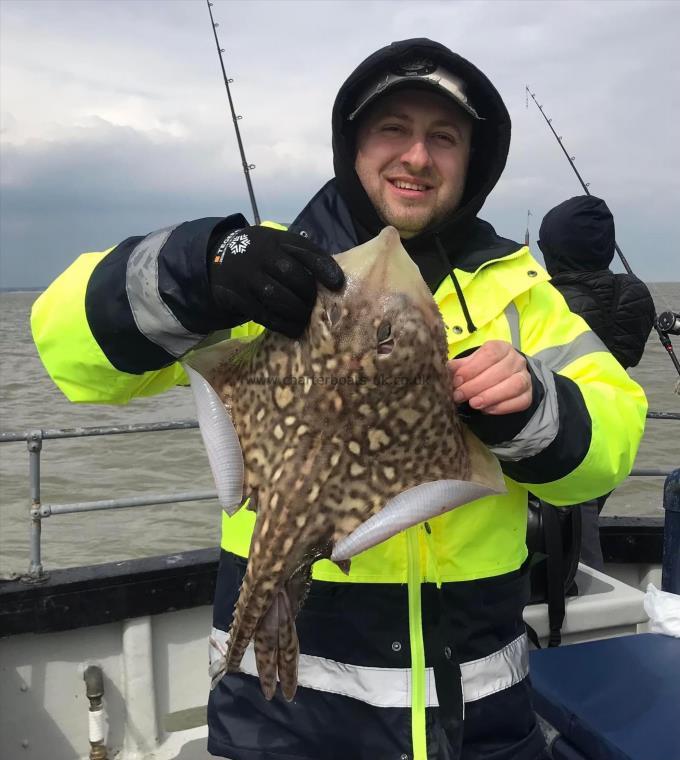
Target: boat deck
column 155, row 665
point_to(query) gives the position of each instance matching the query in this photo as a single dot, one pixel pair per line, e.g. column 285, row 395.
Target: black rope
column 459, row 291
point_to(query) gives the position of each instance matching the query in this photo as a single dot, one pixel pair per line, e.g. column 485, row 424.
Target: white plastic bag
column 663, row 609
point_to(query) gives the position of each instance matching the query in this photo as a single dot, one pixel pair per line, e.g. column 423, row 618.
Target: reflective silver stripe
column 541, row 429
column 389, row 687
column 497, row 671
column 512, row 315
column 151, row 314
column 555, row 357
column 558, row 357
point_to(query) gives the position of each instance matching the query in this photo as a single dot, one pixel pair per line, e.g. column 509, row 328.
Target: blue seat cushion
column 616, row 699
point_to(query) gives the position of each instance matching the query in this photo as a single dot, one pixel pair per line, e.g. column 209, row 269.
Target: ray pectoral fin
column 484, row 467
column 214, row 352
column 409, row 508
column 220, row 440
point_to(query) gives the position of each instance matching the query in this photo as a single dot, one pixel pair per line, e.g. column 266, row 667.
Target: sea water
column 105, row 467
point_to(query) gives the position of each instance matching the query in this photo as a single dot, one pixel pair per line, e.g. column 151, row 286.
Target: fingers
column 493, row 379
column 281, row 309
column 269, row 304
column 488, row 366
column 484, row 357
column 323, row 266
column 293, row 276
column 282, row 325
column 510, row 395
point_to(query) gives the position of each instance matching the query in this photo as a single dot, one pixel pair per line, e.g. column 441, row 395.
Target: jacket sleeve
column 635, row 315
column 579, row 438
column 113, row 325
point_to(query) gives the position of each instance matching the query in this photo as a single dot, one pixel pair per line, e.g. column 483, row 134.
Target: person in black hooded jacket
column 577, row 239
column 420, row 651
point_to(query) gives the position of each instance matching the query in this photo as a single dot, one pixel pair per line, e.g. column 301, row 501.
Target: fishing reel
column 668, row 322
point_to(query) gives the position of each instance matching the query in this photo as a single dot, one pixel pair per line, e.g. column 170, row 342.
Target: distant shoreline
column 22, row 290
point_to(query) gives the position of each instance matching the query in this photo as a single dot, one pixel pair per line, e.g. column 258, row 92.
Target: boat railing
column 39, row 511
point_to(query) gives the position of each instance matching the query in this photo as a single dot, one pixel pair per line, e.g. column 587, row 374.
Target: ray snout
column 382, row 267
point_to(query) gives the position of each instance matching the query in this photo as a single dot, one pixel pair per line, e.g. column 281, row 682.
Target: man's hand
column 494, row 379
column 268, row 276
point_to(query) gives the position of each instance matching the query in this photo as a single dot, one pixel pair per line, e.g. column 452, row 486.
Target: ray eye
column 385, row 342
column 333, row 314
column 384, row 331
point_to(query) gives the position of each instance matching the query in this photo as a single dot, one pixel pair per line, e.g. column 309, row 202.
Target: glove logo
column 236, row 242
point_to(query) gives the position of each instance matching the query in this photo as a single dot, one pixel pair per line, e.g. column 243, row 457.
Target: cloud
column 106, row 182
column 115, row 119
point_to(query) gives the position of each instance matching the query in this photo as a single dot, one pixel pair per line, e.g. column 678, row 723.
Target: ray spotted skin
column 332, row 426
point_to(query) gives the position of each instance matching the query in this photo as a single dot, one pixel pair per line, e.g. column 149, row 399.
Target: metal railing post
column 36, row 573
column 670, row 573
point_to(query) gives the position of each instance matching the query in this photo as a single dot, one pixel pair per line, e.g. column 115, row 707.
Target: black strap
column 533, row 636
column 448, row 678
column 554, row 573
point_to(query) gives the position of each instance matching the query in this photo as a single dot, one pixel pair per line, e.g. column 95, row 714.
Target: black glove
column 268, row 276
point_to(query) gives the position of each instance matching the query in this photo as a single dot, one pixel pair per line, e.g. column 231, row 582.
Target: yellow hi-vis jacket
column 509, row 299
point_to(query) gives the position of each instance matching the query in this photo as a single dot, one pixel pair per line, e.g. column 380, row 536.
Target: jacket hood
column 491, row 141
column 578, row 235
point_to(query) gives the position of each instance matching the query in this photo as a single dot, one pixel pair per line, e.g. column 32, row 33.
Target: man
column 577, row 239
column 433, row 615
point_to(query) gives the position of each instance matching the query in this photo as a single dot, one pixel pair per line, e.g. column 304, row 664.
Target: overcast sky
column 115, row 122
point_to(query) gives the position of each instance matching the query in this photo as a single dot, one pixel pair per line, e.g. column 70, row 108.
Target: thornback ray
column 341, row 439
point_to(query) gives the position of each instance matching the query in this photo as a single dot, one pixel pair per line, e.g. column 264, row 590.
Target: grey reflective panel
column 152, row 315
column 512, row 315
column 497, row 671
column 543, row 426
column 558, row 357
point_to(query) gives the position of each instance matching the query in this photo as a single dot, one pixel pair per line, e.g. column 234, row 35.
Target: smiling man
column 420, row 652
column 413, row 150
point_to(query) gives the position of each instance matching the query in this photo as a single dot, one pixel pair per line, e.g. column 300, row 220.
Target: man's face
column 413, row 149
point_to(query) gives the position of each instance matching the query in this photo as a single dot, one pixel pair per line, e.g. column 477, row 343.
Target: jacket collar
column 326, row 221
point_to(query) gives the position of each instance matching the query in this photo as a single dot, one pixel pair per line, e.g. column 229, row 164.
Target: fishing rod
column 666, row 323
column 247, row 168
column 526, row 234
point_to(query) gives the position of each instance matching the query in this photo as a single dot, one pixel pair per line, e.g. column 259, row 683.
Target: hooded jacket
column 341, row 214
column 577, row 239
column 431, row 618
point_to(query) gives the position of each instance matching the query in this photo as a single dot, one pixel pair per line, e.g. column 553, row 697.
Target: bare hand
column 494, row 379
